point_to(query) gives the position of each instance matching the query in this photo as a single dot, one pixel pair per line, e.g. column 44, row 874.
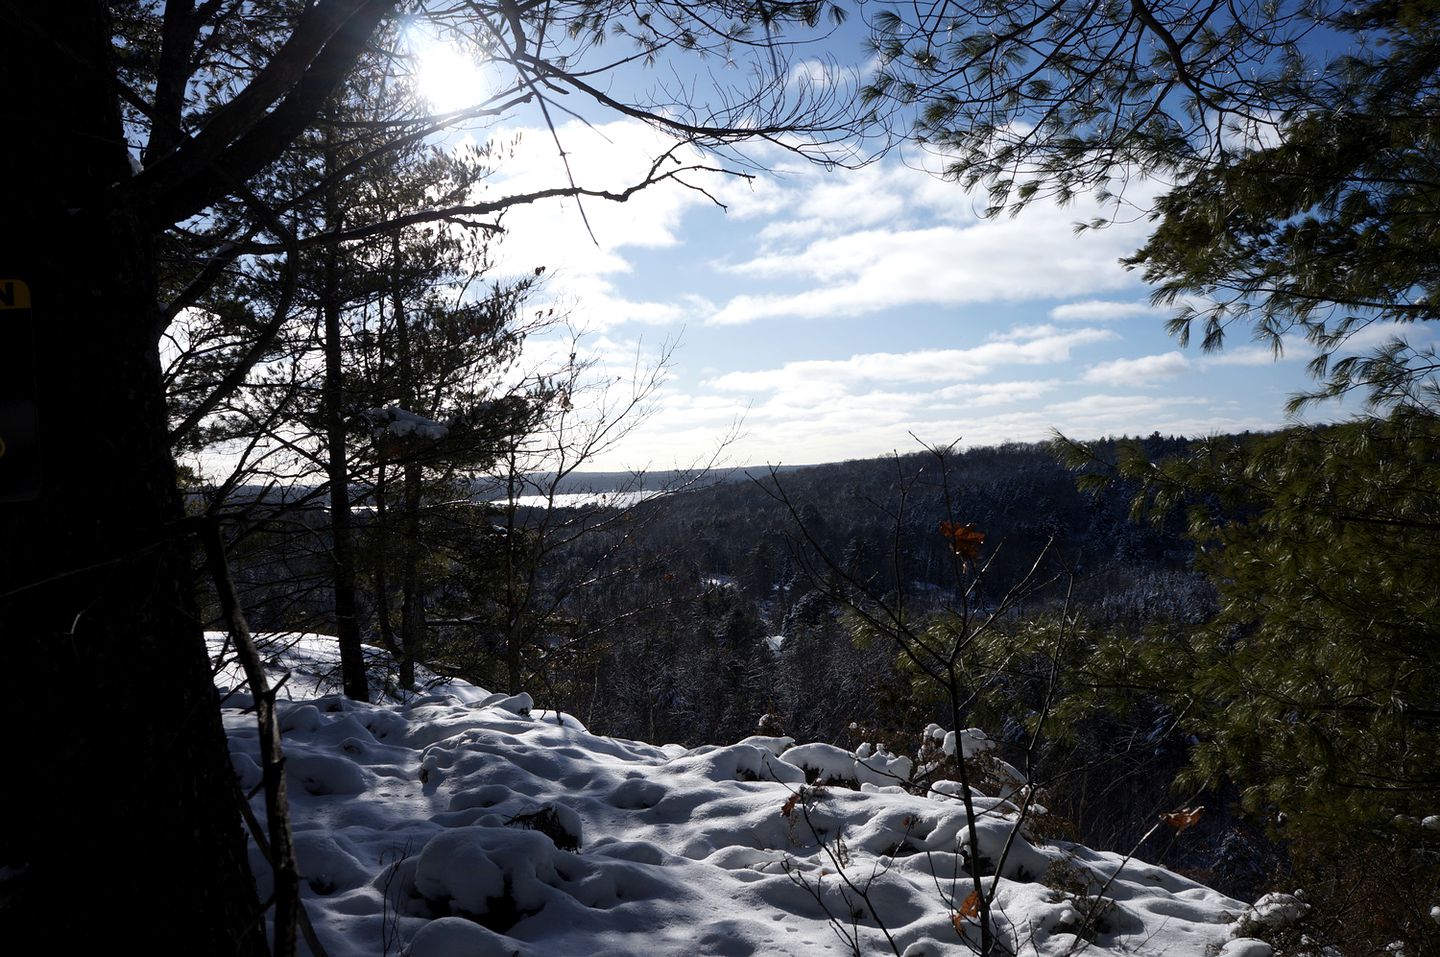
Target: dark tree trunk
column 412, row 602
column 120, row 812
column 347, row 622
column 516, row 591
column 342, row 530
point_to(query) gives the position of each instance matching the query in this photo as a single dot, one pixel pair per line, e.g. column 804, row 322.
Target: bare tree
column 952, row 647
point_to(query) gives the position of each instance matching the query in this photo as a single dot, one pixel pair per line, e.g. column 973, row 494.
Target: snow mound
column 1246, row 947
column 461, row 822
column 1277, row 910
column 827, row 764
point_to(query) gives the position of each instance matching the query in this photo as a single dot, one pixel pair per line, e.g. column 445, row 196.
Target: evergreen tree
column 1315, row 685
column 1299, row 139
column 98, row 587
column 385, row 388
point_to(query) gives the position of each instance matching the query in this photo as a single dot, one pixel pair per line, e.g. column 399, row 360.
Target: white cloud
column 1380, row 333
column 591, row 302
column 818, row 202
column 887, row 235
column 1252, row 355
column 805, row 242
column 862, row 197
column 835, row 243
column 1101, row 407
column 925, row 365
column 1101, row 310
column 818, row 409
column 988, row 394
column 553, row 233
column 764, row 194
column 822, row 73
column 609, row 156
column 1096, row 416
column 1023, row 333
column 865, row 424
column 1140, row 371
column 875, row 269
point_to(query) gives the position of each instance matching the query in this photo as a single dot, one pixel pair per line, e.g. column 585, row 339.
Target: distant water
column 608, row 499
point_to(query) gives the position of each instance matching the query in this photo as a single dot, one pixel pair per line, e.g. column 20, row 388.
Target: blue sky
column 836, row 313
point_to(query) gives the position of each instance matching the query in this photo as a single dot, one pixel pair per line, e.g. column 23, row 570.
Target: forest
column 264, row 375
column 778, row 602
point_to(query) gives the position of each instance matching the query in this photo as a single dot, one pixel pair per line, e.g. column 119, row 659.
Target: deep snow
column 419, row 822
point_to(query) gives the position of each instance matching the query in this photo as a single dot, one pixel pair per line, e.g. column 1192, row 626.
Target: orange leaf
column 965, row 540
column 1183, row 818
column 789, row 807
column 971, row 907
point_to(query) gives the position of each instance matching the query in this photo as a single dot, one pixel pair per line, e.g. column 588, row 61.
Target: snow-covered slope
column 464, row 823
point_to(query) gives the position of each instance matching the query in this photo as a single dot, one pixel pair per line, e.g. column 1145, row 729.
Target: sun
column 447, row 77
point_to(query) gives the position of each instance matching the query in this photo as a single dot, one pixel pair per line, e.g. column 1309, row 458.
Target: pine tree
column 1298, row 141
column 98, row 591
column 1314, row 686
column 384, row 390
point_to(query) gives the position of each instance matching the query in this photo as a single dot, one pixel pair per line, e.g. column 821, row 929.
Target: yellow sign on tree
column 19, row 409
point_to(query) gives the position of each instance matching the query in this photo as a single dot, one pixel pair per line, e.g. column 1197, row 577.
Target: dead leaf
column 1183, row 818
column 971, row 907
column 965, row 540
column 789, row 807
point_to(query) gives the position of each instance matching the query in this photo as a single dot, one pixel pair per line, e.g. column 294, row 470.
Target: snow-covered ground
column 465, row 823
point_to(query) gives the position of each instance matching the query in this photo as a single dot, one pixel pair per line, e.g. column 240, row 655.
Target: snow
column 828, row 764
column 1277, row 910
column 973, row 740
column 459, row 822
column 395, row 422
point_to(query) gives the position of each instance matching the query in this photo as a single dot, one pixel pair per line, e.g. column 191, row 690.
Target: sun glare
column 446, row 77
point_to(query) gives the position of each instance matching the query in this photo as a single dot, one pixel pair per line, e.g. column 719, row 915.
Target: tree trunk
column 123, row 815
column 412, row 601
column 342, row 534
column 514, row 569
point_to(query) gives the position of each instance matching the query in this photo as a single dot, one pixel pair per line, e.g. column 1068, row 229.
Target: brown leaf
column 789, row 807
column 1183, row 818
column 965, row 540
column 971, row 907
